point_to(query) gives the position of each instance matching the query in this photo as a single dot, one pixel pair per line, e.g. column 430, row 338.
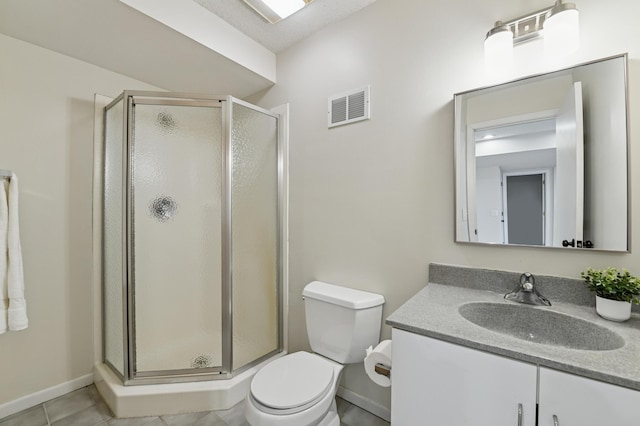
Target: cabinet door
column 435, row 383
column 577, row 401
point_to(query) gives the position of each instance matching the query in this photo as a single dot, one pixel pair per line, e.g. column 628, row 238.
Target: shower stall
column 191, row 237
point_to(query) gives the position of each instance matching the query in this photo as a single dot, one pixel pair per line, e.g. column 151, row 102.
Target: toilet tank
column 342, row 322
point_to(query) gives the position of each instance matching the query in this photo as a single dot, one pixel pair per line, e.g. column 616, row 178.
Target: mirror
column 542, row 161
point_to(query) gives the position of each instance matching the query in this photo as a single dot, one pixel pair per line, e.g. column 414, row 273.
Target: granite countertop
column 434, row 312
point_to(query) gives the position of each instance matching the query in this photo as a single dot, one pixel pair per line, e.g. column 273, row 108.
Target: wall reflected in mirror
column 542, row 161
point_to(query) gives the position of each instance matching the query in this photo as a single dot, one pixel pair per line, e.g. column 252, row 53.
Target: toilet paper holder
column 382, row 369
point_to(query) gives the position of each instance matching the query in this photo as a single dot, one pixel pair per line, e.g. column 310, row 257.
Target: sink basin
column 541, row 326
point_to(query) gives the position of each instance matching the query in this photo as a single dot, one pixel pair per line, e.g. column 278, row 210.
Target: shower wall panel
column 113, row 238
column 254, row 207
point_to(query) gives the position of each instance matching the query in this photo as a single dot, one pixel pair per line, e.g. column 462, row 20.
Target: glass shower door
column 175, row 227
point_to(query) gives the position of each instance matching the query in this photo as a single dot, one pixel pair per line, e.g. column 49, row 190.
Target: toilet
column 299, row 389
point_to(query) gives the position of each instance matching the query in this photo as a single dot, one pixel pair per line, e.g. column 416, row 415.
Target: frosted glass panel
column 254, row 235
column 113, row 238
column 176, row 179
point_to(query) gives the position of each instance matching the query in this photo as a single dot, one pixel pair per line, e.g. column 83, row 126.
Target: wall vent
column 349, row 107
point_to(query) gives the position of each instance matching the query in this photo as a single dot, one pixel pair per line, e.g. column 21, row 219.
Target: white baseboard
column 365, row 403
column 44, row 395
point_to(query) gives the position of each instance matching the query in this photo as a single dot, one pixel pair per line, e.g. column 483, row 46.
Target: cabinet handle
column 519, row 414
column 555, row 421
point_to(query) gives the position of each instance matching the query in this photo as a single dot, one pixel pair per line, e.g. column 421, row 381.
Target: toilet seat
column 292, row 383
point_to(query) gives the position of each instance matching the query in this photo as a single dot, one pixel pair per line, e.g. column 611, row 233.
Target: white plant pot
column 613, row 310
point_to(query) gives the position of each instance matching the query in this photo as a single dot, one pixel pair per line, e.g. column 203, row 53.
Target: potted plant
column 615, row 292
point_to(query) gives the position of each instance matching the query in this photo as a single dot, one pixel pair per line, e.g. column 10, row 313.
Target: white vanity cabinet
column 436, row 383
column 578, row 401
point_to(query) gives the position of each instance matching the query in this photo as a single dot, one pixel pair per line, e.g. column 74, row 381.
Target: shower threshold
column 173, row 398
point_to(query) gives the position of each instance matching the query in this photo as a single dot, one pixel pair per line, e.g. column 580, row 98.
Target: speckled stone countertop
column 434, row 312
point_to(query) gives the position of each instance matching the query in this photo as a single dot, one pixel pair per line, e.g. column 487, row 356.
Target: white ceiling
column 520, row 161
column 279, row 36
column 516, row 129
column 116, row 37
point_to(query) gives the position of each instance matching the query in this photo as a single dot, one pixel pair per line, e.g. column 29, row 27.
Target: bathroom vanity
column 449, row 370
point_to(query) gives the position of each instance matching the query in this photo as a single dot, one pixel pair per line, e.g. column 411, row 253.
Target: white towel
column 15, row 275
column 4, row 288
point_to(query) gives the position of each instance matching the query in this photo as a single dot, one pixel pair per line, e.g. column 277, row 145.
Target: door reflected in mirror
column 542, row 161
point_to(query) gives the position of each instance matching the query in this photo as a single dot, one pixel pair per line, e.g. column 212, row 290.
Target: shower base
column 174, row 398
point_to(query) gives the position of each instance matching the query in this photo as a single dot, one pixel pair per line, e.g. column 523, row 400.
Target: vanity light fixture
column 558, row 25
column 276, row 10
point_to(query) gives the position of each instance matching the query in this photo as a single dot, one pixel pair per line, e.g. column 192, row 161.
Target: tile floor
column 85, row 407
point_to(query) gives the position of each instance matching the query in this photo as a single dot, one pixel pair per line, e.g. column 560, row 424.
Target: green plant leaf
column 613, row 284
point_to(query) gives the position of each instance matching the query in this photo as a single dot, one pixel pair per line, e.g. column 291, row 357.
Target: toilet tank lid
column 342, row 296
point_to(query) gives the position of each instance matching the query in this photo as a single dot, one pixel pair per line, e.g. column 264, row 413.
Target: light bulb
column 498, row 48
column 562, row 30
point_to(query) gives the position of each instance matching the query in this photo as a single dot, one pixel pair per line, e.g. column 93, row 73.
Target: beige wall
column 372, row 202
column 508, row 102
column 46, row 116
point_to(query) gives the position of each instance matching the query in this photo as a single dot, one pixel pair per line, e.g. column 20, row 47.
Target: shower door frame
column 225, row 371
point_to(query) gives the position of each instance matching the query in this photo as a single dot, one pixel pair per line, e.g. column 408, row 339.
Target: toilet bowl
column 299, row 389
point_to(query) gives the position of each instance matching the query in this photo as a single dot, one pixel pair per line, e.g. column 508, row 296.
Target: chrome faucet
column 526, row 292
